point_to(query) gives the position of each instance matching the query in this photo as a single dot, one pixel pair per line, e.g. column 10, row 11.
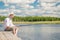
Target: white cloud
column 51, row 15
column 18, row 11
column 1, row 10
column 6, row 4
column 3, row 14
column 28, row 6
column 13, row 7
column 50, row 7
column 22, row 3
column 18, row 1
column 58, row 6
column 7, row 11
column 44, row 4
column 13, row 1
column 49, row 0
column 25, row 5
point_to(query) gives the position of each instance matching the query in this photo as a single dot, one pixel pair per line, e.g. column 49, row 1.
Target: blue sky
column 30, row 7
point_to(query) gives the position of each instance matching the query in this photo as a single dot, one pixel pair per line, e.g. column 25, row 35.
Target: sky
column 30, row 7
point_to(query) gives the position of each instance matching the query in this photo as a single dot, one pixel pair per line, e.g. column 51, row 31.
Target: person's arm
column 12, row 24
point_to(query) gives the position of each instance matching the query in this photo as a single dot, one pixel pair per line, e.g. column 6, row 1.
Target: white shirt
column 8, row 22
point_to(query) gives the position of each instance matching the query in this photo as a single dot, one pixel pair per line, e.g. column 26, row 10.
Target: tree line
column 31, row 18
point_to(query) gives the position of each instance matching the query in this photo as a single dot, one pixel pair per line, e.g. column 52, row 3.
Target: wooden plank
column 15, row 37
column 8, row 36
column 2, row 37
column 12, row 36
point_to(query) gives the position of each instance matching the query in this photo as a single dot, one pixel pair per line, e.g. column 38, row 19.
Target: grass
column 38, row 22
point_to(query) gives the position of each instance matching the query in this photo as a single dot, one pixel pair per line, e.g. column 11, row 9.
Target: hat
column 12, row 13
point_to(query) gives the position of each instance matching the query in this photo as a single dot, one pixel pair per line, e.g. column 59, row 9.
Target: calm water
column 38, row 31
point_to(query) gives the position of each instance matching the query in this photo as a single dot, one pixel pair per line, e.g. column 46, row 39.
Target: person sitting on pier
column 9, row 26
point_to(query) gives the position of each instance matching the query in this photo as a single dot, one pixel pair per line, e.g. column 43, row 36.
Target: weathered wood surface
column 8, row 36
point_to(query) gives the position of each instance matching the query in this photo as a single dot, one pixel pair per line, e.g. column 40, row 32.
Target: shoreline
column 38, row 22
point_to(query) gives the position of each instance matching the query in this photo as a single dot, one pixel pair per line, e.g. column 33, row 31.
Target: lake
column 38, row 31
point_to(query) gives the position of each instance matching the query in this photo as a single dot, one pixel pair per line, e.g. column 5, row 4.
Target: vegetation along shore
column 33, row 20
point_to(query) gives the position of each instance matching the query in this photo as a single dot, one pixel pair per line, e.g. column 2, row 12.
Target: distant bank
column 31, row 18
column 38, row 22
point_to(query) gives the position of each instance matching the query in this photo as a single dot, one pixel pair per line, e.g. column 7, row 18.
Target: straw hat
column 12, row 13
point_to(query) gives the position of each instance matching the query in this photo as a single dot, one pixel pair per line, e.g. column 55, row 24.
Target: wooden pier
column 5, row 35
